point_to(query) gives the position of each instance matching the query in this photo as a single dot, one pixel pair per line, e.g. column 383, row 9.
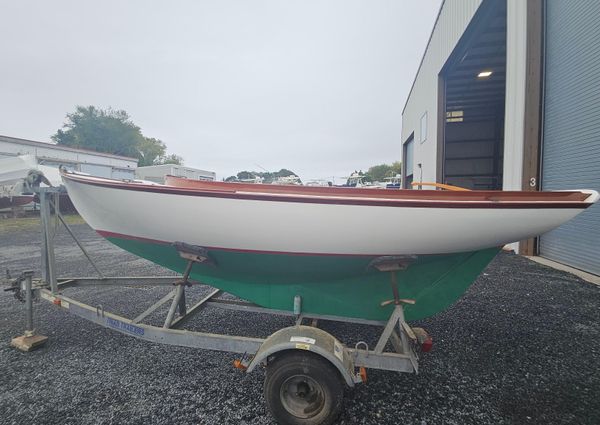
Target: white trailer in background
column 157, row 173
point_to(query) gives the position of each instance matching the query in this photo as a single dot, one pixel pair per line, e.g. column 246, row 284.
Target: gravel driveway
column 521, row 347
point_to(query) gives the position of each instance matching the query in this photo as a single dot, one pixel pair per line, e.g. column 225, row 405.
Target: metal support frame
column 184, row 338
column 48, row 258
column 179, row 298
column 154, row 307
column 395, row 331
column 28, row 301
column 29, row 340
column 81, row 247
column 180, row 321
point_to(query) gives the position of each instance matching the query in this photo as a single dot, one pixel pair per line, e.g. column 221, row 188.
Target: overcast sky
column 314, row 86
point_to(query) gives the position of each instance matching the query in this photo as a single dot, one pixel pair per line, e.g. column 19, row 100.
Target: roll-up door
column 571, row 127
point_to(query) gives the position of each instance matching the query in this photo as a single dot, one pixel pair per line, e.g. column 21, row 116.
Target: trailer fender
column 310, row 339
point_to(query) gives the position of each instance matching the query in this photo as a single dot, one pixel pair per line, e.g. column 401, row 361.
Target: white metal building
column 157, row 173
column 95, row 163
column 507, row 96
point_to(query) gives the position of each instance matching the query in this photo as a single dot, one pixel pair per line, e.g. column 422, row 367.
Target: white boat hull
column 306, row 228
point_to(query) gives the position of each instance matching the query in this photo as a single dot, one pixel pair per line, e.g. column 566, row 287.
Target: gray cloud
column 314, row 86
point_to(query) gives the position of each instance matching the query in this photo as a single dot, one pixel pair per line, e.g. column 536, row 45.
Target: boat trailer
column 306, row 367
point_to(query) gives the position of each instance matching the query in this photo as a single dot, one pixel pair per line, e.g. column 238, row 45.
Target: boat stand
column 22, row 287
column 288, row 347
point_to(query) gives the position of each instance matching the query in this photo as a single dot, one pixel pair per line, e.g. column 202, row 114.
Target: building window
column 424, row 127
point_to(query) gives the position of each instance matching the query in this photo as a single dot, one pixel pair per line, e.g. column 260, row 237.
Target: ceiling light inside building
column 484, row 74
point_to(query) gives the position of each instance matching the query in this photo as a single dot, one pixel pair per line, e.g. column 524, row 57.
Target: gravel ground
column 521, row 346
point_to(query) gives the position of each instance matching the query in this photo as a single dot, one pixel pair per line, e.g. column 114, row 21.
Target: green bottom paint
column 334, row 285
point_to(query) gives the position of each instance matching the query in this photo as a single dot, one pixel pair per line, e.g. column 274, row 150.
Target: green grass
column 13, row 225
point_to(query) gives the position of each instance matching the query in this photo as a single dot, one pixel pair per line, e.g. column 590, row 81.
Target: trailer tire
column 302, row 388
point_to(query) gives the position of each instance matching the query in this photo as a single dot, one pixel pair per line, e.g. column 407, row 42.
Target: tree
column 380, row 172
column 284, row 172
column 150, row 151
column 103, row 131
column 246, row 175
column 170, row 159
column 266, row 176
column 154, row 152
column 112, row 131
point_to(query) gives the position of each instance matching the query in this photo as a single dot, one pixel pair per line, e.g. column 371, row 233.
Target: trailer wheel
column 302, row 388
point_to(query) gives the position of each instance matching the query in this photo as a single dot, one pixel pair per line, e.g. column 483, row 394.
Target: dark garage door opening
column 474, row 82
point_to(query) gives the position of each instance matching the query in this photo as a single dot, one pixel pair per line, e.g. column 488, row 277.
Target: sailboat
column 343, row 251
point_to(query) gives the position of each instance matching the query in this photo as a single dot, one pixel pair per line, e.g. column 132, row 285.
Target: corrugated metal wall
column 571, row 138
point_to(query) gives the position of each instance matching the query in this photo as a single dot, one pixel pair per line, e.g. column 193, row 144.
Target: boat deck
column 399, row 194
